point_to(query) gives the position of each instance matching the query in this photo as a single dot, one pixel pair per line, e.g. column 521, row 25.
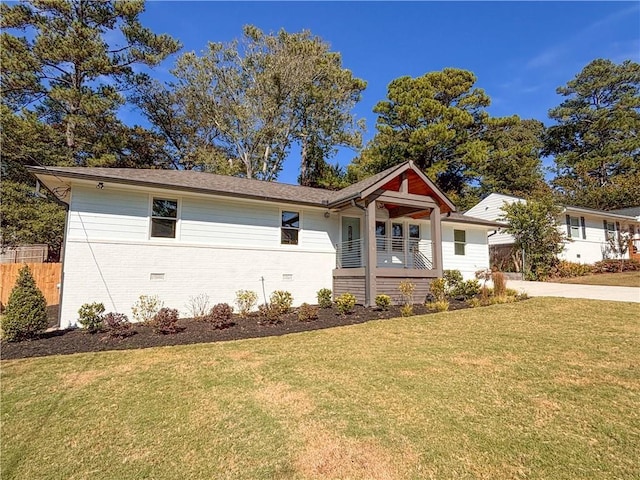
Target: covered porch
column 383, row 235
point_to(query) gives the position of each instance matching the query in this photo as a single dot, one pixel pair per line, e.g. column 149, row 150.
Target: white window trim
column 578, row 226
column 178, row 200
column 280, row 227
column 464, row 244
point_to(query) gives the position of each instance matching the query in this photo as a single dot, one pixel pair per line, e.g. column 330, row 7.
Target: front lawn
column 545, row 388
column 622, row 279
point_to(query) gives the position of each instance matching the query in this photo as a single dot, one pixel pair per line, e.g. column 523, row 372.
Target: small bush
column 307, row 312
column 438, row 289
column 324, row 298
column 165, row 321
column 118, row 325
column 199, row 306
column 90, row 316
column 246, row 300
column 282, row 300
column 407, row 289
column 499, row 284
column 439, row 305
column 383, row 302
column 345, row 303
column 474, row 302
column 26, row 312
column 146, row 308
column 510, row 292
column 406, row 310
column 453, row 280
column 269, row 315
column 467, row 289
column 612, row 266
column 219, row 316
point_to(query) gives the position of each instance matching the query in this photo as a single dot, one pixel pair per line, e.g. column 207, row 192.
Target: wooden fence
column 505, row 258
column 46, row 275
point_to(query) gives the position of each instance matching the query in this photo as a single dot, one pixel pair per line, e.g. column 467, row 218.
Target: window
column 414, row 232
column 164, row 218
column 574, row 227
column 610, row 230
column 381, row 234
column 290, row 227
column 459, row 241
column 397, row 237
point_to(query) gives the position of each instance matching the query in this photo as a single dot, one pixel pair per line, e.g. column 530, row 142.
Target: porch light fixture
column 379, row 205
column 327, row 214
column 100, row 186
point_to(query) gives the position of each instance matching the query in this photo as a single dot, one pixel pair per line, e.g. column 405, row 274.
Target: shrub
column 90, row 316
column 199, row 306
column 219, row 316
column 467, row 289
column 439, row 305
column 474, row 302
column 383, row 302
column 270, row 315
column 307, row 312
column 282, row 300
column 26, row 312
column 499, row 284
column 346, row 303
column 324, row 298
column 438, row 289
column 118, row 325
column 612, row 266
column 406, row 310
column 146, row 308
column 165, row 321
column 566, row 269
column 407, row 288
column 246, row 301
column 453, row 279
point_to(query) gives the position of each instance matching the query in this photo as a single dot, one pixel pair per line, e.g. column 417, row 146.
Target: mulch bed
column 60, row 342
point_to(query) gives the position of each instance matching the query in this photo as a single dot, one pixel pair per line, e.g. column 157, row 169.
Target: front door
column 351, row 253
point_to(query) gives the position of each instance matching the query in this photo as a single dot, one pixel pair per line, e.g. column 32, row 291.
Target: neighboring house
column 182, row 233
column 587, row 230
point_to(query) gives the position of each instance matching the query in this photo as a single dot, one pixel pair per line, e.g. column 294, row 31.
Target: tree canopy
column 65, row 68
column 596, row 138
column 439, row 121
column 239, row 107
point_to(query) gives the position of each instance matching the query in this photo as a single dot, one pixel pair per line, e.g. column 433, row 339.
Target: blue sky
column 519, row 51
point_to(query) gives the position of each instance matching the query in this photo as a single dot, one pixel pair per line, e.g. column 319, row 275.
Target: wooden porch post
column 436, row 240
column 370, row 249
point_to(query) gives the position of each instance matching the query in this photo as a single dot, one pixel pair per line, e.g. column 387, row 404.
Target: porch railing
column 349, row 254
column 390, row 253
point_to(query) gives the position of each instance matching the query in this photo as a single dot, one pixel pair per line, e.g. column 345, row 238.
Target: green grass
column 622, row 279
column 542, row 389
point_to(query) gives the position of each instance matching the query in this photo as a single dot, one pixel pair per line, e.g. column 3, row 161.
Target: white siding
column 476, row 255
column 223, row 245
column 582, row 250
column 108, row 214
column 592, row 248
column 490, row 208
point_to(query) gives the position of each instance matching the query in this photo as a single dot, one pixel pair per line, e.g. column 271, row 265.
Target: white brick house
column 177, row 234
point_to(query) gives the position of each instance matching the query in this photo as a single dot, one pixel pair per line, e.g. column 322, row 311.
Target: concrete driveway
column 568, row 290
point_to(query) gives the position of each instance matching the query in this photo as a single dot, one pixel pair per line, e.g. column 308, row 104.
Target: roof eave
column 141, row 183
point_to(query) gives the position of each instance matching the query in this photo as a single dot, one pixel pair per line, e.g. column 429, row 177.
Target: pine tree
column 26, row 312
